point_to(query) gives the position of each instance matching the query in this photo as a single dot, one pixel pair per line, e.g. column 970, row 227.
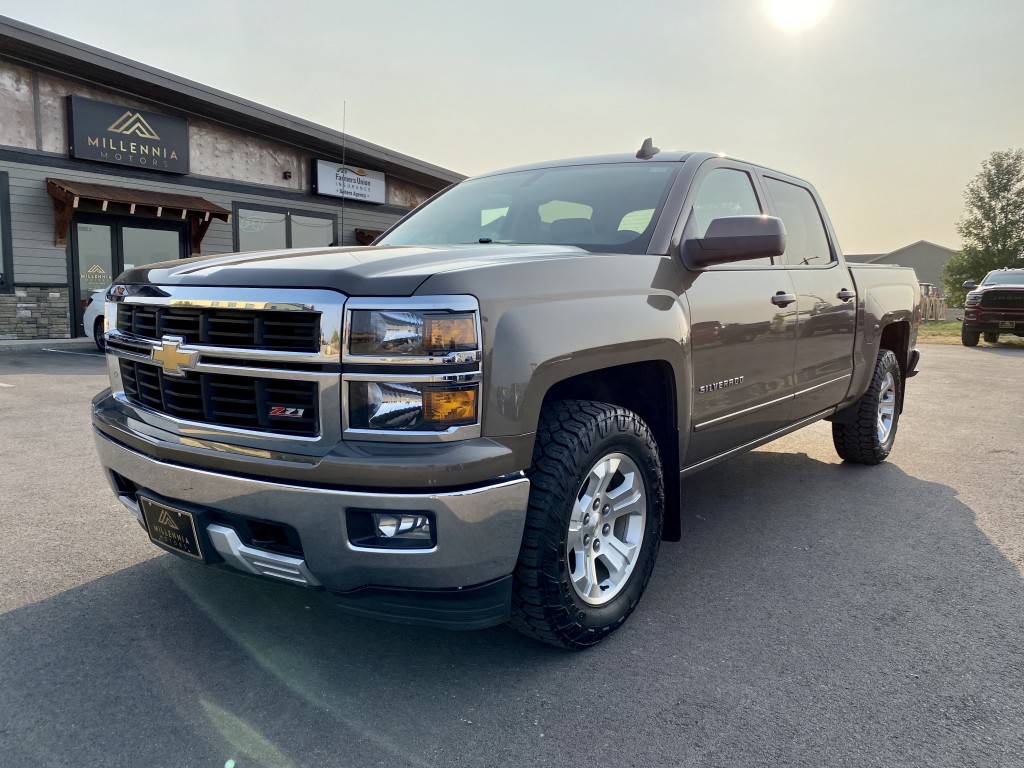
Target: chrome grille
column 241, row 402
column 239, row 328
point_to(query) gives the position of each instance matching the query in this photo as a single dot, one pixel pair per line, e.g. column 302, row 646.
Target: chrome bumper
column 479, row 531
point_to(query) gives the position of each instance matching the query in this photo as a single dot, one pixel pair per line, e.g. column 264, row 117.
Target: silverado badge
column 704, row 389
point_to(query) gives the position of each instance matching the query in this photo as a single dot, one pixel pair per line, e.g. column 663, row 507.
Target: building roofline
column 26, row 43
column 922, row 242
column 864, row 258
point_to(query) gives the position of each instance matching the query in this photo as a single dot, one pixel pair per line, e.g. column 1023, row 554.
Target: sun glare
column 797, row 15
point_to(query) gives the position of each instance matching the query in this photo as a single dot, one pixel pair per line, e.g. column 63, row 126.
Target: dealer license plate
column 171, row 528
column 1007, row 324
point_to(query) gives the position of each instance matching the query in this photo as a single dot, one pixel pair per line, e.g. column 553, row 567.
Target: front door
column 102, row 247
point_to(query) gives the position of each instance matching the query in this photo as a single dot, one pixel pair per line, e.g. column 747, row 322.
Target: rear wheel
column 97, row 335
column 868, row 437
column 991, row 337
column 968, row 337
column 593, row 524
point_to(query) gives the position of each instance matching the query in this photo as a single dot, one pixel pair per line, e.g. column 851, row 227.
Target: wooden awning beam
column 197, row 211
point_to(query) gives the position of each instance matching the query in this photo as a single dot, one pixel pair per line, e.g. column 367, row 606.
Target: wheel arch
column 650, row 389
column 896, row 337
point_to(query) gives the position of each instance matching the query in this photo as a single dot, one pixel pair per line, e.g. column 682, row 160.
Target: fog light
column 373, row 529
column 390, row 526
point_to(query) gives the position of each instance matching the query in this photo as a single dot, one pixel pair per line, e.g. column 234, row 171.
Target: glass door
column 95, row 253
column 102, row 247
column 144, row 245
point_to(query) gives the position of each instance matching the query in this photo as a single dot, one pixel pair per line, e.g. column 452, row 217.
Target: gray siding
column 37, row 260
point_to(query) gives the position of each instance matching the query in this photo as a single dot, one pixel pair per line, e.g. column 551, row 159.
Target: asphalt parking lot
column 815, row 614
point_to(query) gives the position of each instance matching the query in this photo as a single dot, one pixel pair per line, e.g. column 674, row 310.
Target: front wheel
column 868, row 437
column 968, row 337
column 991, row 337
column 593, row 525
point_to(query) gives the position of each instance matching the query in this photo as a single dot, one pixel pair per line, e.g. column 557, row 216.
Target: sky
column 889, row 107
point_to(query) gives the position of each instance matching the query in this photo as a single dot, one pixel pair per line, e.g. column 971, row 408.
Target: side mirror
column 968, row 284
column 737, row 238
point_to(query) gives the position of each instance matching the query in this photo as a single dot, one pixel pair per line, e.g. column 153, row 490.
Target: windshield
column 610, row 207
column 1015, row 277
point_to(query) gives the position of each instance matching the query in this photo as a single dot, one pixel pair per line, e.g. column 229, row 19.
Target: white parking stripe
column 69, row 352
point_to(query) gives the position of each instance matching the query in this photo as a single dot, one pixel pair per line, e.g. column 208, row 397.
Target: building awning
column 68, row 196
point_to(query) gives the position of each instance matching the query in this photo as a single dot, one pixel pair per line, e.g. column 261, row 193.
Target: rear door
column 743, row 342
column 826, row 306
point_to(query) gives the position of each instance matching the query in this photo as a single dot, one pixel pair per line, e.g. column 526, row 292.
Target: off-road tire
column 969, row 338
column 858, row 441
column 573, row 435
column 991, row 337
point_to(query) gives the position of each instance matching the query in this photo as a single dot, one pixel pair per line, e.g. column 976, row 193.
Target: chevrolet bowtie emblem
column 172, row 358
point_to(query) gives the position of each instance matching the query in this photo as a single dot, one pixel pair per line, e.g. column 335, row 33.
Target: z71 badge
column 290, row 413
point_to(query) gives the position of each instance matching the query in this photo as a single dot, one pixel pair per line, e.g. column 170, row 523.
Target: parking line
column 69, row 352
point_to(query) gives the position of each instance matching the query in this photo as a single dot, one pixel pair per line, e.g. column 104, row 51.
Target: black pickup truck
column 485, row 416
column 994, row 307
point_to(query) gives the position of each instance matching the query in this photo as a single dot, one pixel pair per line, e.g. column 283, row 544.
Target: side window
column 806, row 241
column 726, row 192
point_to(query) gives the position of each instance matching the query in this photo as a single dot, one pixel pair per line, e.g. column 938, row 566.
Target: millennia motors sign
column 337, row 180
column 112, row 133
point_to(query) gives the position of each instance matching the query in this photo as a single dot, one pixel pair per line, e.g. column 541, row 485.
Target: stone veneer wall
column 35, row 313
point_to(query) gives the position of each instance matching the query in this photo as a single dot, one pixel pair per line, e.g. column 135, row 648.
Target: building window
column 261, row 228
column 6, row 254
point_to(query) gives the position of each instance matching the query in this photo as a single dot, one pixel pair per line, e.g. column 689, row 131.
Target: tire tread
column 858, row 441
column 569, row 429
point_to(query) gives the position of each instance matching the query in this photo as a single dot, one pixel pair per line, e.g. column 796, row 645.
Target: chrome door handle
column 846, row 294
column 783, row 299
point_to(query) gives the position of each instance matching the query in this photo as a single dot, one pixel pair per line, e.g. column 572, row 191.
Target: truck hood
column 367, row 271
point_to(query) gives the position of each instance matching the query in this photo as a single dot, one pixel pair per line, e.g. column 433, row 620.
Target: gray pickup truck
column 485, row 416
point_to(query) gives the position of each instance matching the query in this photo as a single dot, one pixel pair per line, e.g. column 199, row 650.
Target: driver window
column 726, row 192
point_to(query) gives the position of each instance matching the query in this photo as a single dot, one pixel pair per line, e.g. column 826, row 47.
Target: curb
column 24, row 345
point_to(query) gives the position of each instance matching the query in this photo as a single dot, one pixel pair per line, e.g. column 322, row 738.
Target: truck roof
column 666, row 156
column 669, row 156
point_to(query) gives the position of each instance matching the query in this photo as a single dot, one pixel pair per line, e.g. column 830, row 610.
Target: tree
column 992, row 229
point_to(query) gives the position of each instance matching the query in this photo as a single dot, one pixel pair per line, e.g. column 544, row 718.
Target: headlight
column 412, row 369
column 402, row 333
column 973, row 300
column 411, row 407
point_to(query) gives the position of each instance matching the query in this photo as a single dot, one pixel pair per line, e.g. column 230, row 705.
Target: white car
column 93, row 318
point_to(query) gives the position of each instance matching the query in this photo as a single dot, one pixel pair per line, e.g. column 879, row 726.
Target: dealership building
column 106, row 164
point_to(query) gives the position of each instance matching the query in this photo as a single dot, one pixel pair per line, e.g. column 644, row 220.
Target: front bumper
column 988, row 319
column 462, row 581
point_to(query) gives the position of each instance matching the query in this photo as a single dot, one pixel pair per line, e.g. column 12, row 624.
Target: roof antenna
column 647, row 150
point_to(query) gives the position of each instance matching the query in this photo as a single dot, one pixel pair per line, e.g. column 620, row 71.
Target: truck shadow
column 808, row 602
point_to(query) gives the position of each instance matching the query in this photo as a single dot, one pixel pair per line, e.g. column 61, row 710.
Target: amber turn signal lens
column 449, row 407
column 456, row 333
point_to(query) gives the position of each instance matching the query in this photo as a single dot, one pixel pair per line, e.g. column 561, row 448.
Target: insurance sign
column 348, row 181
